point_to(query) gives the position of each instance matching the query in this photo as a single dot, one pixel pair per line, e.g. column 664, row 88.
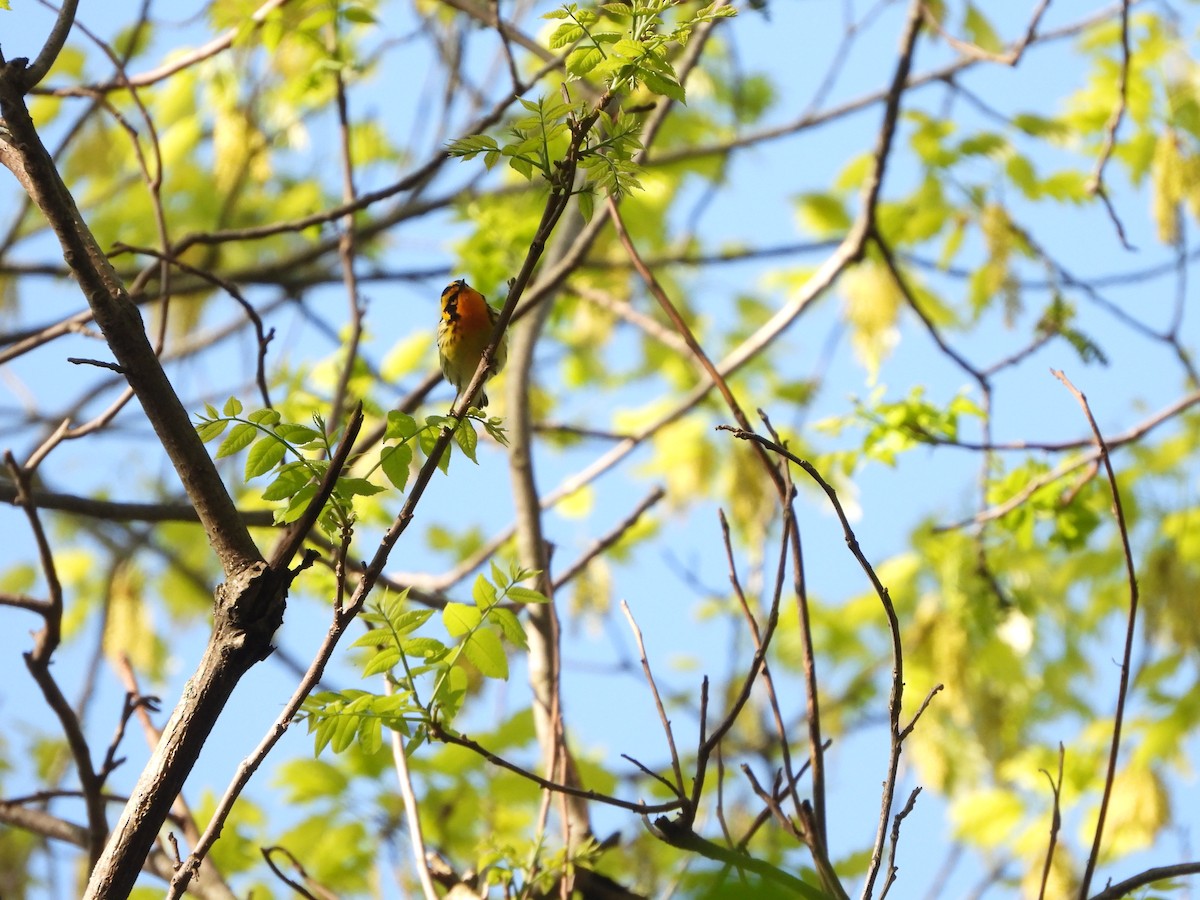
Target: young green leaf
column 240, row 437
column 459, row 618
column 484, row 650
column 263, row 456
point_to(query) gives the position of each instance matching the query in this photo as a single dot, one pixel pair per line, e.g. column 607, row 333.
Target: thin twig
column 218, row 44
column 1158, row 873
column 658, row 704
column 291, row 882
column 933, row 692
column 1095, row 184
column 346, row 245
column 38, row 661
column 646, row 770
column 895, row 700
column 1008, row 58
column 896, row 821
column 1127, row 655
column 437, row 732
column 262, row 335
column 54, row 43
column 412, row 812
column 756, row 635
column 1055, row 820
column 603, row 543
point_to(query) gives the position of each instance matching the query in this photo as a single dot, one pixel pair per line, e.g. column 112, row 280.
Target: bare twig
column 1008, row 58
column 346, row 246
column 1095, row 184
column 437, row 732
column 39, row 660
column 262, row 336
column 1158, row 873
column 895, row 700
column 291, row 882
column 658, row 704
column 933, row 692
column 756, row 635
column 1055, row 820
column 1127, row 655
column 218, row 44
column 896, row 821
column 53, row 46
column 601, row 544
column 412, row 811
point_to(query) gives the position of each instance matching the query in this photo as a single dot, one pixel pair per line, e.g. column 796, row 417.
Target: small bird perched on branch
column 463, row 332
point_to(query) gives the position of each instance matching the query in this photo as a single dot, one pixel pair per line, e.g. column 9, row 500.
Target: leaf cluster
column 297, row 456
column 418, row 664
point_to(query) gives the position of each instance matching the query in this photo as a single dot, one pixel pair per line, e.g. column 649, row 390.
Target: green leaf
column 467, row 439
column 370, row 736
column 428, row 439
column 627, row 49
column 266, row 417
column 424, row 647
column 209, row 430
column 233, row 407
column 266, row 453
column 661, row 84
column 396, row 462
column 296, row 505
column 358, row 487
column 296, row 434
column 344, row 731
column 291, row 478
column 483, row 592
column 522, row 167
column 583, row 60
column 241, row 437
column 565, row 34
column 980, row 31
column 499, row 576
column 495, row 427
column 471, row 146
column 358, row 14
column 376, row 638
column 382, row 661
column 322, row 732
column 586, row 199
column 400, row 426
column 484, row 650
column 411, row 621
column 451, row 692
column 459, row 618
column 510, row 627
column 519, row 594
column 823, row 214
column 1039, row 126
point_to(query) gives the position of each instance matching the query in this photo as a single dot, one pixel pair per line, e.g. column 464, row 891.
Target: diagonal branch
column 39, row 68
column 1127, row 655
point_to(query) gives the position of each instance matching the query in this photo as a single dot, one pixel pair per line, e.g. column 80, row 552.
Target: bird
column 463, row 332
